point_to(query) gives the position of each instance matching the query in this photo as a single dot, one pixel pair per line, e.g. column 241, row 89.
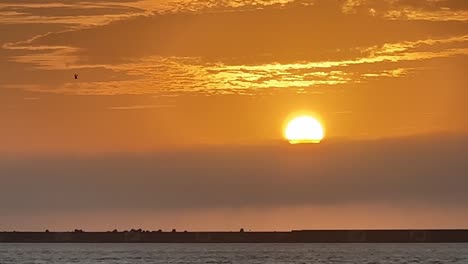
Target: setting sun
column 304, row 129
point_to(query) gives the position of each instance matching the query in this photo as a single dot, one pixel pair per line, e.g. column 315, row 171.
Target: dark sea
column 234, row 253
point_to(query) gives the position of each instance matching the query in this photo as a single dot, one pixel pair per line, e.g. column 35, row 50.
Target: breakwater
column 296, row 236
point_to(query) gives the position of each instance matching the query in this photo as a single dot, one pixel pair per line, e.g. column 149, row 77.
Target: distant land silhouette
column 295, row 236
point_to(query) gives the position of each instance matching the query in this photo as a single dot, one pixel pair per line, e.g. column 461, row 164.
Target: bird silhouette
column 76, row 76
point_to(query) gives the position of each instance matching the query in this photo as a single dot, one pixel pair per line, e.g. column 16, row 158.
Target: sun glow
column 304, row 129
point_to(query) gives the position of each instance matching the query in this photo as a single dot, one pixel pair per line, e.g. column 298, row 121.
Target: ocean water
column 234, row 253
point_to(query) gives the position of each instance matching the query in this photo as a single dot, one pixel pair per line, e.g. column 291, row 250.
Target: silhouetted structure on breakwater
column 296, row 236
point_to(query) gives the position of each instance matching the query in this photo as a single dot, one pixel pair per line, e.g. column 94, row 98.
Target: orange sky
column 178, row 75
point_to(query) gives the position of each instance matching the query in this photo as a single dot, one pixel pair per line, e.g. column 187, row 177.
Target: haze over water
column 162, row 114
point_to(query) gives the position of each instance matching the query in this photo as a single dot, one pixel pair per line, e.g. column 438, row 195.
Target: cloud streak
column 138, row 107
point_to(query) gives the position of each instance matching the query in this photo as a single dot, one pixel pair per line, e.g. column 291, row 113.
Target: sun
column 304, row 129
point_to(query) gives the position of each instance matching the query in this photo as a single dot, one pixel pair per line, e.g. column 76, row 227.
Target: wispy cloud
column 31, row 98
column 74, row 13
column 158, row 74
column 139, row 107
column 430, row 10
column 439, row 15
column 173, row 6
column 219, row 60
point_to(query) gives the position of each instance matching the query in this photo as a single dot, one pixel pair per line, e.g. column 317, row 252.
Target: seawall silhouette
column 295, row 236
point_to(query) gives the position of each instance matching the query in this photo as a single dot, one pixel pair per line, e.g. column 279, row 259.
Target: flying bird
column 76, row 76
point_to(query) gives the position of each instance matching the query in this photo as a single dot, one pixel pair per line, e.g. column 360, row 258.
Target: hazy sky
column 177, row 116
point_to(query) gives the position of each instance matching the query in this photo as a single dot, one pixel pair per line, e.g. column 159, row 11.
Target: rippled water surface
column 234, row 253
